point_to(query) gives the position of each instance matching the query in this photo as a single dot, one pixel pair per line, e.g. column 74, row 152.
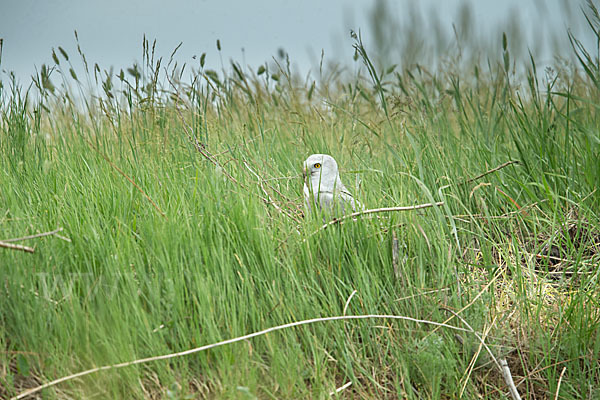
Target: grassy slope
column 132, row 284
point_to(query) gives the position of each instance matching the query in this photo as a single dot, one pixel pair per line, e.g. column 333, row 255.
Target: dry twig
column 380, row 210
column 17, row 247
column 509, row 379
column 233, row 340
column 269, row 199
column 7, row 243
column 37, row 235
column 499, row 167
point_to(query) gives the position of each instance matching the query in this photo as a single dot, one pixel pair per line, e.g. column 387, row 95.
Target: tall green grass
column 516, row 250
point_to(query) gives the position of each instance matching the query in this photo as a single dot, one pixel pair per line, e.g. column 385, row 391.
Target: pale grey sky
column 111, row 31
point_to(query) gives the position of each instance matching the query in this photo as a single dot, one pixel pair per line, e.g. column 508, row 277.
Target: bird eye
column 317, row 165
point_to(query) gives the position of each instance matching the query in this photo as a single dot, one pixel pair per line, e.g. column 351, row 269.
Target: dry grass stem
column 7, row 243
column 269, row 200
column 379, row 210
column 37, row 235
column 499, row 167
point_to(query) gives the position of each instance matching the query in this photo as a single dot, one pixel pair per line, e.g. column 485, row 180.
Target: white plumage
column 323, row 187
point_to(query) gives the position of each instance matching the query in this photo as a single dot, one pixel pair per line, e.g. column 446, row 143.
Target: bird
column 324, row 189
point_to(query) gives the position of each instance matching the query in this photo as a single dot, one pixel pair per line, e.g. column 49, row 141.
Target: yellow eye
column 317, row 165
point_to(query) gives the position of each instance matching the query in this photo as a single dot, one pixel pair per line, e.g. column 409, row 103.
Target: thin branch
column 499, row 167
column 233, row 340
column 7, row 243
column 260, row 183
column 38, row 235
column 509, row 379
column 269, row 199
column 273, row 188
column 16, row 247
column 379, row 210
column 371, row 211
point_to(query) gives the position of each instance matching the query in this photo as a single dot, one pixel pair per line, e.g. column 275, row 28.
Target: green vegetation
column 198, row 251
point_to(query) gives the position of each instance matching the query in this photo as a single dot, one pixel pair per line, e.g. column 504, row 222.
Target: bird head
column 320, row 171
